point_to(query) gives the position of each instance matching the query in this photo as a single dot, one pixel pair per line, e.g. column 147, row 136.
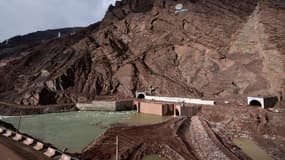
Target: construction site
column 151, row 80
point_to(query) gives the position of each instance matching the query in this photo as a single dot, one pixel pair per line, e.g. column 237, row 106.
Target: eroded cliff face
column 216, row 49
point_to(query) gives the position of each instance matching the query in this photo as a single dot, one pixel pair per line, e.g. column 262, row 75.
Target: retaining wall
column 106, row 105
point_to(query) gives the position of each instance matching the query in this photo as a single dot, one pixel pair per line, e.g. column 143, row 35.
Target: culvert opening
column 255, row 103
column 177, row 112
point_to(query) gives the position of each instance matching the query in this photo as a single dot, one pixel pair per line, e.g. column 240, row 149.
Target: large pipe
column 181, row 100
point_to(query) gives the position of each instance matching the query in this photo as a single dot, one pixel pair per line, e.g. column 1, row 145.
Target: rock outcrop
column 215, row 49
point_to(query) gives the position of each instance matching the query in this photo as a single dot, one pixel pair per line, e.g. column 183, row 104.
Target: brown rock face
column 215, row 49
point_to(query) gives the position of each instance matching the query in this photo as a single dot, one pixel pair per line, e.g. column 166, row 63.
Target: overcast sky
column 18, row 17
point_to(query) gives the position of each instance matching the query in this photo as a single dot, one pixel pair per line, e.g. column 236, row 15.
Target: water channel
column 251, row 148
column 75, row 130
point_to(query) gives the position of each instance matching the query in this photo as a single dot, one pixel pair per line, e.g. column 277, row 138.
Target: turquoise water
column 75, row 130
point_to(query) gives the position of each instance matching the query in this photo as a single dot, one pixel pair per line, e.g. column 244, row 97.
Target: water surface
column 75, row 130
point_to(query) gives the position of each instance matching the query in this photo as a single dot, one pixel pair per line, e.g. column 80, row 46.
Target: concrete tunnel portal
column 263, row 102
column 255, row 103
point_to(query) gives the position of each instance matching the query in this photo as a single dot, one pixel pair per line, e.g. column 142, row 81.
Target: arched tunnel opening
column 255, row 103
column 141, row 96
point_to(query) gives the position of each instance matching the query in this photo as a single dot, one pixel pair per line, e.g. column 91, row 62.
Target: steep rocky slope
column 216, row 49
column 14, row 45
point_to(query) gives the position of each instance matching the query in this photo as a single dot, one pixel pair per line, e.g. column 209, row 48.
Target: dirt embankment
column 172, row 139
column 137, row 141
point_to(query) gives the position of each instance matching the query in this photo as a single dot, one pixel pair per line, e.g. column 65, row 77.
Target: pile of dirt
column 214, row 49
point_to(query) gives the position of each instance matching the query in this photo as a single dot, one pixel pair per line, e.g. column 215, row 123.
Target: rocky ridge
column 216, row 49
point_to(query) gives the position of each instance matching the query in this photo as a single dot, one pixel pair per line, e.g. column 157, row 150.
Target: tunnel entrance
column 141, row 96
column 255, row 103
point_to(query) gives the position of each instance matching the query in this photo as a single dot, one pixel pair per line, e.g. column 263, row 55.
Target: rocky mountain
column 212, row 49
column 17, row 44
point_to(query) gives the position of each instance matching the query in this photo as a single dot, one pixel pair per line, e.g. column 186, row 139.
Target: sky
column 18, row 17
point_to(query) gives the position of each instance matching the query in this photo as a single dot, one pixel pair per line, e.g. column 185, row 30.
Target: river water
column 75, row 130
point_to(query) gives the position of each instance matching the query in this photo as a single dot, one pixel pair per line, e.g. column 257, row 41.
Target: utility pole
column 117, row 147
column 58, row 35
column 19, row 122
column 7, row 41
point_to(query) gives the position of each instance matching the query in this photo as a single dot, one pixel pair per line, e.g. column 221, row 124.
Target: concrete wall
column 125, row 105
column 97, row 106
column 151, row 108
column 259, row 99
column 156, row 108
column 106, row 106
column 163, row 109
column 167, row 109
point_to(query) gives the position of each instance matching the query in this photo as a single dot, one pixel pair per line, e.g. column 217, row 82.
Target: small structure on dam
column 166, row 108
column 263, row 102
column 140, row 95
